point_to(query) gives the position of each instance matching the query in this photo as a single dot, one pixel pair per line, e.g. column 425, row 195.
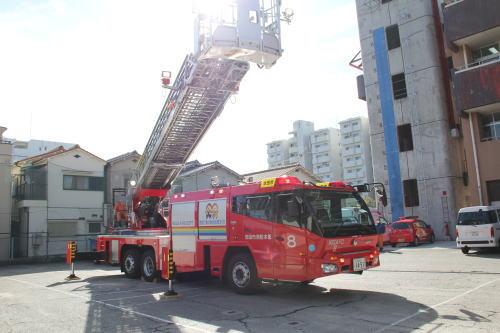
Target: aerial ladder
column 226, row 40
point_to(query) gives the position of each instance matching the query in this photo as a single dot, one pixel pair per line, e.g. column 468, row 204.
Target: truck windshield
column 476, row 218
column 338, row 213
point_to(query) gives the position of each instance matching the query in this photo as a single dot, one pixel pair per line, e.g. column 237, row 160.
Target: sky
column 88, row 72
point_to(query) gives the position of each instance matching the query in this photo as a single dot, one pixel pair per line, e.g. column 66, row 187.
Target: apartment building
column 25, row 149
column 356, row 150
column 5, row 195
column 413, row 130
column 326, row 154
column 278, row 153
column 472, row 39
column 317, row 151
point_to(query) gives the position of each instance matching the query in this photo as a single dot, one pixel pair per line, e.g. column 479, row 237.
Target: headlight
column 329, row 268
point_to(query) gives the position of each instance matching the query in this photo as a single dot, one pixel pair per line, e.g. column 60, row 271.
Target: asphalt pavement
column 429, row 288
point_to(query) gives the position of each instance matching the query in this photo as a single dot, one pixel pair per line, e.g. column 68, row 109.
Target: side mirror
column 362, row 188
column 383, row 196
column 293, row 209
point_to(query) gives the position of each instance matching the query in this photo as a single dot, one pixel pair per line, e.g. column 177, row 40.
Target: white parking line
column 421, row 311
column 123, row 309
column 121, row 298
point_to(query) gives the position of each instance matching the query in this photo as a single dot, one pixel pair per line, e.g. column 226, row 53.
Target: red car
column 411, row 230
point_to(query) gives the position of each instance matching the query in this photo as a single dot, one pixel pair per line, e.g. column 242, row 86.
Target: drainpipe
column 476, row 164
column 443, row 63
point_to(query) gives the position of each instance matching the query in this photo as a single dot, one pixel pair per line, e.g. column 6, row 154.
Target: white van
column 478, row 227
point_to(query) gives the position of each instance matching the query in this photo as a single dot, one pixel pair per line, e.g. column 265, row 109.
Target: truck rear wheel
column 131, row 262
column 148, row 265
column 242, row 274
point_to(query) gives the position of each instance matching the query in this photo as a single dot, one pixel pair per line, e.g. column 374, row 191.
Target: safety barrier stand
column 70, row 257
column 168, row 269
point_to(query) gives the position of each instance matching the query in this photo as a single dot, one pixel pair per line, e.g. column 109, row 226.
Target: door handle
column 281, row 239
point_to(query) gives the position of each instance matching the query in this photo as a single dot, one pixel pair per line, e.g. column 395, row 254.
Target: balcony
column 466, row 20
column 320, row 148
column 477, row 86
column 320, row 137
column 321, row 159
column 322, row 170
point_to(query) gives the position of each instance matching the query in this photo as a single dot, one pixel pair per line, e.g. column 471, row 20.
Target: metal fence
column 41, row 246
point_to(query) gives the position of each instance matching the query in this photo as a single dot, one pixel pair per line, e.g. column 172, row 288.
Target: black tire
column 416, row 242
column 465, row 250
column 148, row 266
column 241, row 274
column 393, row 244
column 433, row 239
column 131, row 263
column 305, row 283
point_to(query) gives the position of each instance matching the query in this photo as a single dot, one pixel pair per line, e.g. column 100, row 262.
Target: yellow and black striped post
column 71, row 249
column 170, row 273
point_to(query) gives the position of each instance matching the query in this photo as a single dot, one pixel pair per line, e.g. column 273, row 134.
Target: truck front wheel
column 131, row 262
column 148, row 266
column 242, row 274
column 465, row 250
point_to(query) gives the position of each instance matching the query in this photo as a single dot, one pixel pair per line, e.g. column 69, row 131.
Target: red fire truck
column 279, row 229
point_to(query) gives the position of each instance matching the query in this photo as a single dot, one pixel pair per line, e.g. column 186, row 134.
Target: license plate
column 358, row 264
column 474, row 233
column 401, row 240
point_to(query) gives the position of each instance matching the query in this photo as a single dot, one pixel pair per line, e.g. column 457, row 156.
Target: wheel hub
column 129, row 263
column 148, row 266
column 241, row 274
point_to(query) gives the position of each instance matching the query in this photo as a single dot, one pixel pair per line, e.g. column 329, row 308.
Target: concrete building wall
column 300, row 143
column 431, row 161
column 5, row 196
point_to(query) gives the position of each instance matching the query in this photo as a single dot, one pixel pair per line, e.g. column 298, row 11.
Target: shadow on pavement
column 208, row 305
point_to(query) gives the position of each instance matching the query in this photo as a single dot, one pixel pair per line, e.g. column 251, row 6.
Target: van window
column 400, row 226
column 283, row 214
column 258, row 207
column 477, row 218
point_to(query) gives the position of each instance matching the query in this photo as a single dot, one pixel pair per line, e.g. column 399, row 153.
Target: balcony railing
column 468, row 18
column 477, row 86
column 481, row 61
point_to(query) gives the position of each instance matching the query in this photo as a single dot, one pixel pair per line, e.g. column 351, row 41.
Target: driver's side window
column 284, row 216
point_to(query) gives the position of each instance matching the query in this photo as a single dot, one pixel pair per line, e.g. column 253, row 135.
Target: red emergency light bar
column 336, row 184
column 283, row 180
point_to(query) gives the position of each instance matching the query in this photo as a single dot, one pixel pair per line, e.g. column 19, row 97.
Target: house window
column 94, row 228
column 392, row 35
column 405, row 138
column 399, row 86
column 411, row 193
column 83, row 183
column 493, row 190
column 490, row 126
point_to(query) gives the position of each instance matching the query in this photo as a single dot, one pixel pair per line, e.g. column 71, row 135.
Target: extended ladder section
column 237, row 32
column 199, row 94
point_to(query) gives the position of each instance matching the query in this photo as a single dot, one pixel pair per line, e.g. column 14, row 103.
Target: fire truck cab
column 279, row 229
